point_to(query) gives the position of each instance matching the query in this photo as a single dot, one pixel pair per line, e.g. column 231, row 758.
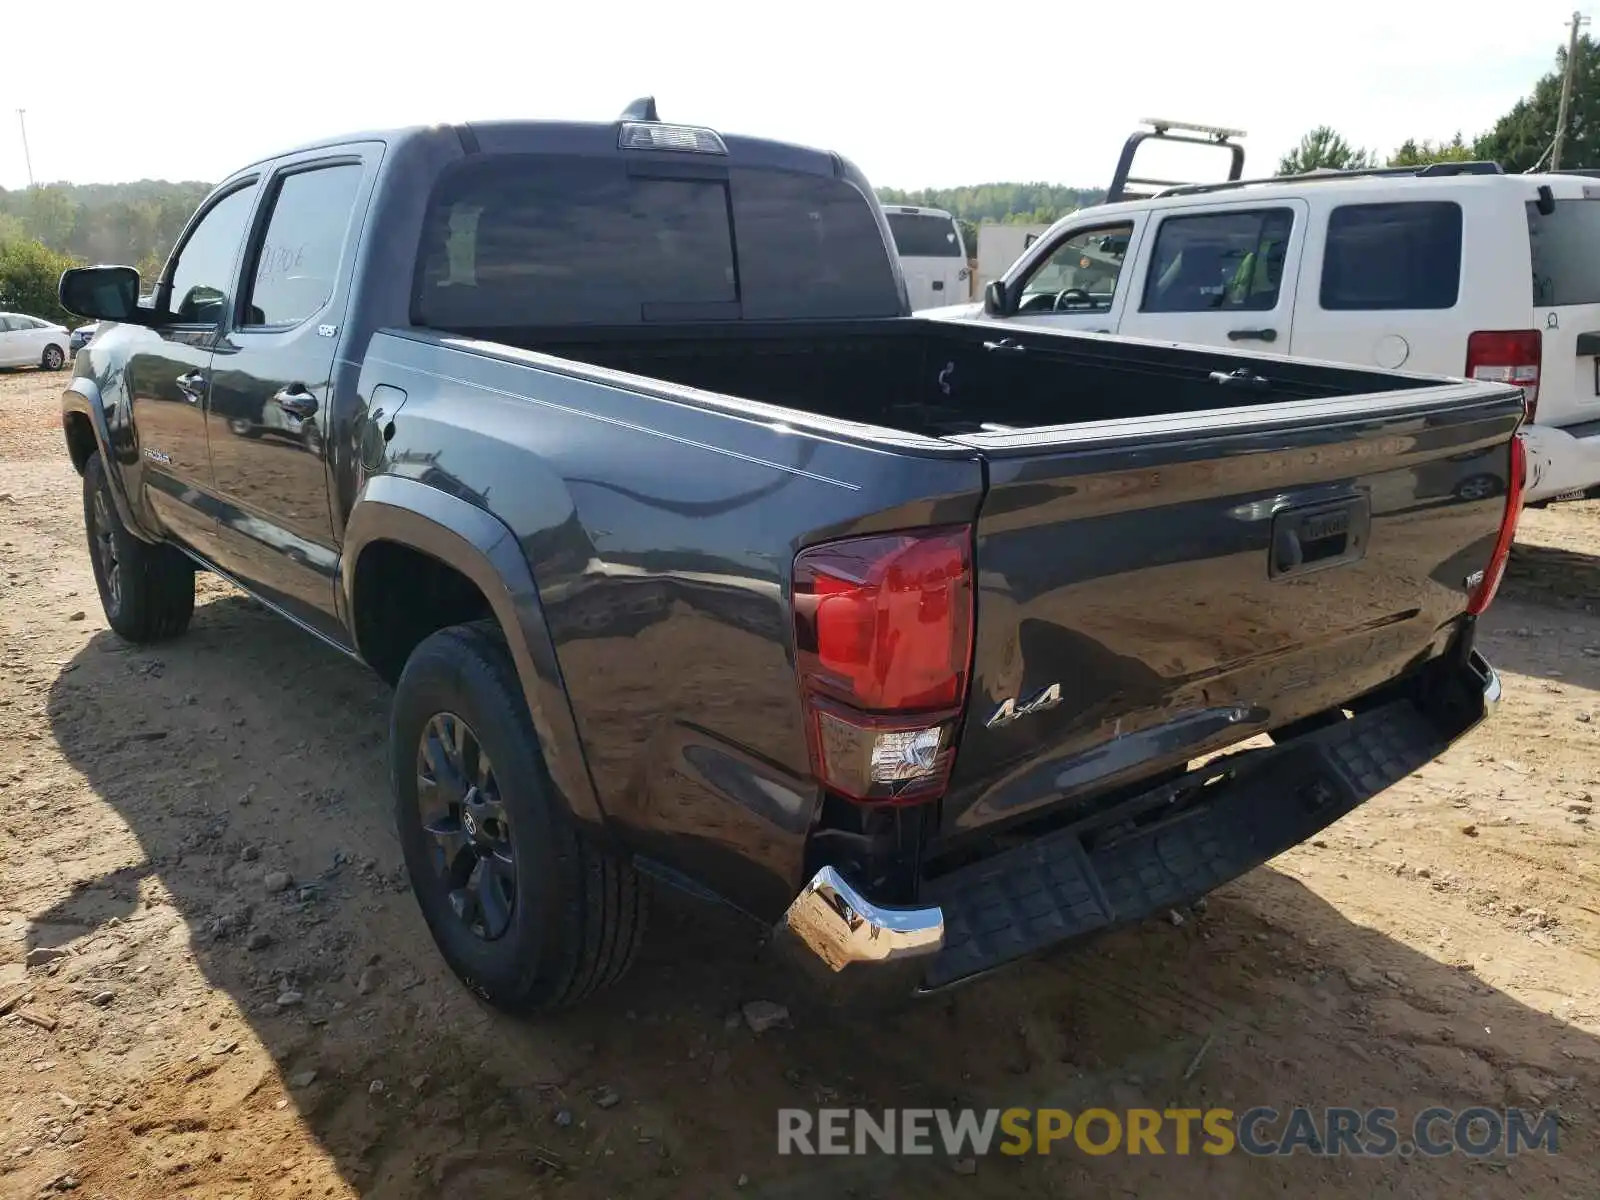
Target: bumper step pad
column 1112, row 871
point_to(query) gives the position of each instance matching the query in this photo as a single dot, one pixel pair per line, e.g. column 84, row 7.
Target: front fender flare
column 82, row 396
column 481, row 547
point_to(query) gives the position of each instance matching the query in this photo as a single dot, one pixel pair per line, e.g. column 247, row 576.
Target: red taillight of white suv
column 883, row 641
column 1507, row 356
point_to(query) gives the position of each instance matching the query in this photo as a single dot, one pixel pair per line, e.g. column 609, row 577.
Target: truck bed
column 941, row 378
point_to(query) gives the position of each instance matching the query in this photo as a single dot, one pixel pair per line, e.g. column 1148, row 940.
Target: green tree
column 29, row 274
column 103, row 222
column 1321, row 149
column 1412, row 153
column 48, row 215
column 1521, row 138
column 977, row 203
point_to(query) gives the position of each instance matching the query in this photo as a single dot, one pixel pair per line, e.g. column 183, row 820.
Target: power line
column 1577, row 23
column 22, row 120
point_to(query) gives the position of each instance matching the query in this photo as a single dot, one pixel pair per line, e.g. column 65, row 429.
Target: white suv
column 1456, row 269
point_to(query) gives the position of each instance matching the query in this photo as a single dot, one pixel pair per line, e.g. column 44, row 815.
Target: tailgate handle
column 1318, row 536
column 1257, row 335
column 1006, row 346
column 1588, row 343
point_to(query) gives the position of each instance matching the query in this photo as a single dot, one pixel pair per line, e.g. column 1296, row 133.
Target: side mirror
column 995, row 301
column 103, row 294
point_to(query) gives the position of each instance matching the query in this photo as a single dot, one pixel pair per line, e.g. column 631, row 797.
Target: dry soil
column 213, row 1029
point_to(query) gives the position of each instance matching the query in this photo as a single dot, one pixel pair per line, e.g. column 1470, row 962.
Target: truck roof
column 582, row 137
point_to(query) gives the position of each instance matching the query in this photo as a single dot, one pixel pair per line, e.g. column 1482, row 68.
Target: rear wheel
column 526, row 911
column 53, row 359
column 147, row 591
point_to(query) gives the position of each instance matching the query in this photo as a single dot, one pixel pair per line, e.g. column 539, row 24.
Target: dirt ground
column 208, row 1034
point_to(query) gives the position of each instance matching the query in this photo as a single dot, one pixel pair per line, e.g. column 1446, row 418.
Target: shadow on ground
column 1553, row 576
column 247, row 748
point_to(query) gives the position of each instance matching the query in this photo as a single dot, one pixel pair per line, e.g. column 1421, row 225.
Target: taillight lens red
column 883, row 642
column 1507, row 356
column 1483, row 589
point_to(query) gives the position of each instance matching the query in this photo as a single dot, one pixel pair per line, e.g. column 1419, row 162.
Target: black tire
column 147, row 591
column 579, row 910
column 53, row 359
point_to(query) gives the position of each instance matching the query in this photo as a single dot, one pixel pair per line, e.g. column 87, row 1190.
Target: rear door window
column 919, row 235
column 1215, row 262
column 298, row 261
column 1392, row 257
column 1566, row 253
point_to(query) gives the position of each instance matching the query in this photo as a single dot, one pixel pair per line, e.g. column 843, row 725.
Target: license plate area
column 1315, row 537
column 1588, row 347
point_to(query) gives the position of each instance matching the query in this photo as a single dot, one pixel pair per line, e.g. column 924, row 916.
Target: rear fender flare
column 82, row 396
column 481, row 547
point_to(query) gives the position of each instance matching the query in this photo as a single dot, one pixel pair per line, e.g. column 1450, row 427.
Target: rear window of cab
column 519, row 240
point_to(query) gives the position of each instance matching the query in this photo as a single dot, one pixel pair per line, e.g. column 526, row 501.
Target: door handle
column 1260, row 335
column 296, row 401
column 192, row 385
column 1006, row 346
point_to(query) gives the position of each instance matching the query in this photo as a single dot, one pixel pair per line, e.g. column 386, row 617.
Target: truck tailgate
column 1153, row 590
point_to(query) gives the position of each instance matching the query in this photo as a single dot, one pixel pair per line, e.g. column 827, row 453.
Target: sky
column 918, row 94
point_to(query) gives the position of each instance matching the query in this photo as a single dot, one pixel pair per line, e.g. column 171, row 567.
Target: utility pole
column 22, row 120
column 1578, row 22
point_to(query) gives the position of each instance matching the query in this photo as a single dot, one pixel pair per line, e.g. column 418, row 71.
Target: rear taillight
column 883, row 642
column 1483, row 584
column 1507, row 356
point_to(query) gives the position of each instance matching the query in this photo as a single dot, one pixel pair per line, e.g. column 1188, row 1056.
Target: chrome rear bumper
column 847, row 940
column 1490, row 678
column 859, row 950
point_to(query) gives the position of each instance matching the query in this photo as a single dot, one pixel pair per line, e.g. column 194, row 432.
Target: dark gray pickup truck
column 693, row 557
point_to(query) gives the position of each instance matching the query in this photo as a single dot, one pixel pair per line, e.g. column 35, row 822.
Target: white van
column 1455, row 269
column 933, row 257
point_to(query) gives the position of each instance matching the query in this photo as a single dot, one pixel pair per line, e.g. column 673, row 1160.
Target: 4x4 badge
column 1010, row 710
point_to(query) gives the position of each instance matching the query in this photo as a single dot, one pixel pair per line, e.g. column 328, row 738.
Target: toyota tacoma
column 693, row 557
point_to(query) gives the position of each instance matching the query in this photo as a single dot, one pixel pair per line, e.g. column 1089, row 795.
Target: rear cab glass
column 924, row 235
column 1392, row 257
column 512, row 240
